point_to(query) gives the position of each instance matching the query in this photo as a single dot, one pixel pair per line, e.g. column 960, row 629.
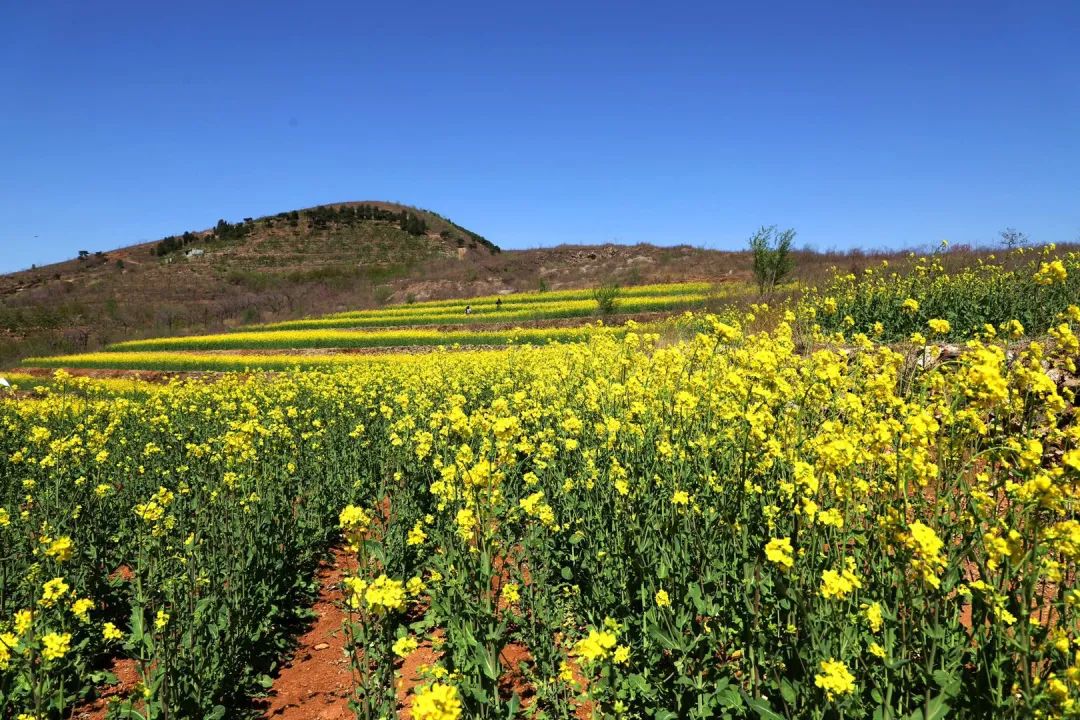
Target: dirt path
column 315, row 683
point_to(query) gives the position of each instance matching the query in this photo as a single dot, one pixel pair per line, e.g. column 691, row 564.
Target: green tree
column 772, row 256
column 606, row 297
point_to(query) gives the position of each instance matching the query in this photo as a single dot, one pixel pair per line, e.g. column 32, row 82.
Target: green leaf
column 730, row 698
column 662, row 638
column 787, row 692
column 488, row 664
column 763, row 709
column 479, row 694
column 937, row 709
column 639, row 683
column 694, row 593
column 100, row 677
column 948, row 682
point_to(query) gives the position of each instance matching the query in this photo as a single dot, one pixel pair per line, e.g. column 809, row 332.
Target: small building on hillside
column 194, row 253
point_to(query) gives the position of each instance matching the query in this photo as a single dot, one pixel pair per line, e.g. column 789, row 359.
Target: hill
column 280, row 266
column 299, row 264
column 305, row 263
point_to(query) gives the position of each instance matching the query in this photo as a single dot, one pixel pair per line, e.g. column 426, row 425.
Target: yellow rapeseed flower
column 404, row 646
column 8, row 642
column 511, row 593
column 837, row 585
column 780, row 553
column 834, row 679
column 926, row 549
column 597, row 645
column 60, row 549
column 416, row 536
column 385, row 594
column 872, row 613
column 436, row 702
column 110, row 632
column 52, row 591
column 55, row 646
column 81, row 609
column 939, row 326
column 1051, row 272
column 23, row 620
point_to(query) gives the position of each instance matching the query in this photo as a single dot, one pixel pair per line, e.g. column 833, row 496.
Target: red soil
column 127, row 676
column 316, row 682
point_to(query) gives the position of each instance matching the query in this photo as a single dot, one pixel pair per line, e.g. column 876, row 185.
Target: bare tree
column 1012, row 238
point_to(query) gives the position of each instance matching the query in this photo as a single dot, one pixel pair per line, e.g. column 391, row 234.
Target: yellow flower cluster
column 837, row 585
column 835, row 679
column 1051, row 272
column 779, row 551
column 597, row 645
column 436, row 701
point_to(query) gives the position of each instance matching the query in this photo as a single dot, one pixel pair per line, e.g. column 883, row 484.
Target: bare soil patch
column 315, row 683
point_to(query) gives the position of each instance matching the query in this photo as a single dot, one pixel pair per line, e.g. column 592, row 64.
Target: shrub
column 606, row 297
column 772, row 256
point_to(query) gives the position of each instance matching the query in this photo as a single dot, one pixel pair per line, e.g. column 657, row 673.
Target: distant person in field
column 468, row 309
column 498, row 303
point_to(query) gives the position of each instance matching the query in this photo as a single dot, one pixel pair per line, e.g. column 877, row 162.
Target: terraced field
column 334, row 340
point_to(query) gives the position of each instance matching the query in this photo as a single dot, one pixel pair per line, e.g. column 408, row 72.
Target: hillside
column 279, row 266
column 311, row 262
column 300, row 264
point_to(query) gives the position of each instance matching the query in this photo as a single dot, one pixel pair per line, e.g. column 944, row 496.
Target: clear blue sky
column 858, row 123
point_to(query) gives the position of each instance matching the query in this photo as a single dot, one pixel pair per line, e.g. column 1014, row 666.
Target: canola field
column 1025, row 290
column 521, row 307
column 798, row 521
column 333, row 338
column 689, row 291
column 455, row 316
column 259, row 347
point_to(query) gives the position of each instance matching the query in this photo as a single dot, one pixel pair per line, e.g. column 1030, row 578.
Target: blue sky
column 860, row 124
